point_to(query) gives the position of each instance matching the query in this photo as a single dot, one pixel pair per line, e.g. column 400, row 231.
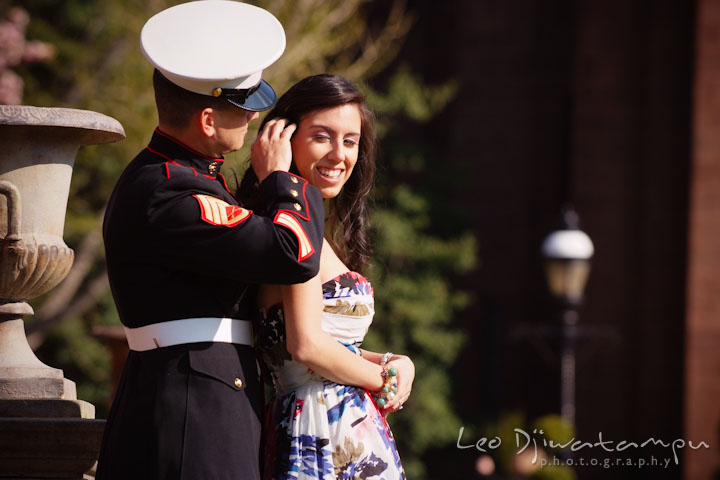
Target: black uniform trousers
column 197, row 381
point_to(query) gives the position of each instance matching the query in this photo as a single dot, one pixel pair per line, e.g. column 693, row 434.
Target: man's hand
column 271, row 150
column 405, row 377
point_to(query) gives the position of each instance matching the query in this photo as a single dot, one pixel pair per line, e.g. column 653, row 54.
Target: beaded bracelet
column 389, row 388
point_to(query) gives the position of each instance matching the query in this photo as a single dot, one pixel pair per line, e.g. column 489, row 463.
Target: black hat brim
column 260, row 100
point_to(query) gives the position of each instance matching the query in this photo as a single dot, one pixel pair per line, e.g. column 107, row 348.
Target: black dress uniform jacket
column 179, row 246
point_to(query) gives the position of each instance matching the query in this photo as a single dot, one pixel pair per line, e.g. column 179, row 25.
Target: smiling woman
column 327, row 417
column 348, row 210
column 325, row 147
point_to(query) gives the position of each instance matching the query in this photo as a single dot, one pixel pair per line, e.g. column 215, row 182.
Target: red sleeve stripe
column 305, row 247
column 218, row 212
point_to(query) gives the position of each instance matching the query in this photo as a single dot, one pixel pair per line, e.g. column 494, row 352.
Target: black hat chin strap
column 236, row 94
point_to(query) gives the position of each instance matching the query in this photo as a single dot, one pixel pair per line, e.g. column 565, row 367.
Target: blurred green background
column 85, row 54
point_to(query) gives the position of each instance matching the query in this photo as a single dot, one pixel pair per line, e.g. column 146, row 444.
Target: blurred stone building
column 614, row 106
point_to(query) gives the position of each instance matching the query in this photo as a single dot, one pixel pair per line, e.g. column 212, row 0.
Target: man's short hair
column 176, row 106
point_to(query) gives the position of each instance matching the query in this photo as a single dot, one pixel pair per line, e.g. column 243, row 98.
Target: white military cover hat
column 217, row 48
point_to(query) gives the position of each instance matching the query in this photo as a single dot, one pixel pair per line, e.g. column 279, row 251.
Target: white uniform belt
column 189, row 330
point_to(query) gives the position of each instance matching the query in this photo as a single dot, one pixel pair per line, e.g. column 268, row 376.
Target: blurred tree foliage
column 522, row 447
column 98, row 66
column 415, row 302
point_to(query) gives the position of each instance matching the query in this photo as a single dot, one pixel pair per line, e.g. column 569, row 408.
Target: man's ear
column 207, row 119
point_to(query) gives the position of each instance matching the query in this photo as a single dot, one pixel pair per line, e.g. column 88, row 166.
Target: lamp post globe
column 567, row 253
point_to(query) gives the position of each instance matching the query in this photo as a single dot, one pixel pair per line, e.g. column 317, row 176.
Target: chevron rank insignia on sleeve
column 304, row 245
column 218, row 212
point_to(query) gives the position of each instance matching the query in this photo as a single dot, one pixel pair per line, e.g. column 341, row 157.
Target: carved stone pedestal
column 45, row 431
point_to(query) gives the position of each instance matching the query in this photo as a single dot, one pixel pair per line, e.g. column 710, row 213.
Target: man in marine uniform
column 184, row 258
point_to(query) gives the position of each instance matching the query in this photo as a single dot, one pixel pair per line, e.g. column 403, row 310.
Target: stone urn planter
column 45, row 431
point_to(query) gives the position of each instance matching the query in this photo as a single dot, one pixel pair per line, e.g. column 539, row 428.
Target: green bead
column 392, row 371
column 381, row 402
column 394, row 389
column 385, row 390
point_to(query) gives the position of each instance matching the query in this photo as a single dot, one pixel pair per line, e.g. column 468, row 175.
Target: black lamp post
column 567, row 253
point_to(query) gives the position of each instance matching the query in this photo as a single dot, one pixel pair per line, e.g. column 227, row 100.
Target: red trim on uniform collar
column 175, row 140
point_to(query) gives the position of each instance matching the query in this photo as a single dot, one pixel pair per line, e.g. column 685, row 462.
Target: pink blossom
column 18, row 17
column 12, row 44
column 11, row 88
column 37, row 51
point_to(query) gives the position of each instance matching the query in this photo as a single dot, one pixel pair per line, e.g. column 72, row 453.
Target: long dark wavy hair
column 348, row 214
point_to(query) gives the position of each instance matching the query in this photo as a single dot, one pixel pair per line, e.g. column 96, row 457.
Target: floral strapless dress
column 315, row 428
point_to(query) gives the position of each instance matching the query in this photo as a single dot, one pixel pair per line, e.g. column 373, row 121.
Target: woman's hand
column 405, row 377
column 271, row 150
